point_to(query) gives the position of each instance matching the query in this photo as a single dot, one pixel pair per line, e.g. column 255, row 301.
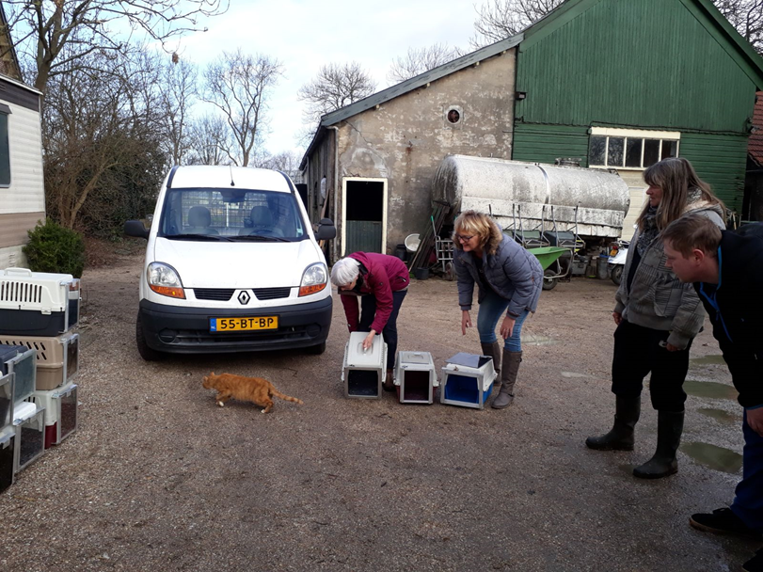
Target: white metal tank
column 512, row 189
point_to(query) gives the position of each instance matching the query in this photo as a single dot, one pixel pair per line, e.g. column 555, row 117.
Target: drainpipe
column 336, row 185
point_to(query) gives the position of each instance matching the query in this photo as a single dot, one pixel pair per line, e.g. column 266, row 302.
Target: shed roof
column 755, row 144
column 738, row 48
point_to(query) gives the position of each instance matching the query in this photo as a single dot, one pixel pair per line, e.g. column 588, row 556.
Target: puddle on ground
column 538, row 340
column 718, row 458
column 707, row 360
column 573, row 375
column 721, row 415
column 710, row 389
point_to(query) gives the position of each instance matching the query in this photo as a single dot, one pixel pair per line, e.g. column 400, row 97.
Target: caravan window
column 5, row 154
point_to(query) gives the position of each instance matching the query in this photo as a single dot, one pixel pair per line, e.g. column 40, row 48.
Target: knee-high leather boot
column 494, row 351
column 509, row 370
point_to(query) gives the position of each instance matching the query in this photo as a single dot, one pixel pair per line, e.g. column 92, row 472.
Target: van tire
column 317, row 350
column 145, row 351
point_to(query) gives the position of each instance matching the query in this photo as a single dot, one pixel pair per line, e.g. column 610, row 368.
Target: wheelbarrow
column 548, row 255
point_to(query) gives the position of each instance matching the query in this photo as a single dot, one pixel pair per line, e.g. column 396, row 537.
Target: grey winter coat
column 658, row 300
column 512, row 272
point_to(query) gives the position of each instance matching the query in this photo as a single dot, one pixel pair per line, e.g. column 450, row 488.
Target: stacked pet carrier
column 39, row 357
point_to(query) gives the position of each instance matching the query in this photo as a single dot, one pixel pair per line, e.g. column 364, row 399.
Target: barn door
column 364, row 209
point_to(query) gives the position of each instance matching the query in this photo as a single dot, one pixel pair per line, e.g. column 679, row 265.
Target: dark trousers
column 748, row 503
column 638, row 352
column 367, row 313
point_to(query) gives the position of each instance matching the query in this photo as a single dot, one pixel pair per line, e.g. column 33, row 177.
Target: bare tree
column 59, row 34
column 417, row 61
column 500, row 19
column 100, row 140
column 286, row 161
column 334, row 87
column 239, row 85
column 209, row 138
column 178, row 92
column 747, row 17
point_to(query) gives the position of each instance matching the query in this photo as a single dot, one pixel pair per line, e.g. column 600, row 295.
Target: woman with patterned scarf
column 657, row 318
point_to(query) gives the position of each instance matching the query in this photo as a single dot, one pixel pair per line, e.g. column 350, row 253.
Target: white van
column 232, row 264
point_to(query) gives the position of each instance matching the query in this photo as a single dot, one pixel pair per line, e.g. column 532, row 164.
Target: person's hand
column 672, row 348
column 618, row 317
column 368, row 342
column 466, row 321
column 507, row 327
column 755, row 420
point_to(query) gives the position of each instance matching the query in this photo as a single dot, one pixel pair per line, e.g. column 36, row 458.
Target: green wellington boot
column 620, row 438
column 670, row 425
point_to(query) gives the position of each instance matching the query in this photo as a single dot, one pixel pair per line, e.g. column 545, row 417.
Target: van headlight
column 314, row 279
column 164, row 279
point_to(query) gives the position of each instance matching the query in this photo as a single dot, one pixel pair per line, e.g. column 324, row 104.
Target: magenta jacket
column 385, row 274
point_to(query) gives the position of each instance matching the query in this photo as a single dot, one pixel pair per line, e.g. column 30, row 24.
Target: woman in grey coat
column 657, row 318
column 509, row 279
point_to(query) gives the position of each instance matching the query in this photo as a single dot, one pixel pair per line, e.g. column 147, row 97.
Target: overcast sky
column 306, row 34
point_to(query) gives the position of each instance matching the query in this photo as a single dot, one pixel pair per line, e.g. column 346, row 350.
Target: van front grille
column 218, row 294
column 271, row 293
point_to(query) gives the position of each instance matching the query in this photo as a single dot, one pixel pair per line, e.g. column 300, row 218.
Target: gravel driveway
column 157, row 477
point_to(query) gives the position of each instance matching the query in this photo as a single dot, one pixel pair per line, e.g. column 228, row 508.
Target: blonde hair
column 480, row 225
column 676, row 177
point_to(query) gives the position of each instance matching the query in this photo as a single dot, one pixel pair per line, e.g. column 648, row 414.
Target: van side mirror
column 137, row 229
column 326, row 230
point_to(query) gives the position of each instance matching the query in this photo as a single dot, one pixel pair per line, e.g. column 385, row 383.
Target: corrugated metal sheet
column 364, row 236
column 719, row 160
column 545, row 143
column 646, row 63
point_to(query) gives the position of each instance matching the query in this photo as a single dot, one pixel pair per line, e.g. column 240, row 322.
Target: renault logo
column 243, row 298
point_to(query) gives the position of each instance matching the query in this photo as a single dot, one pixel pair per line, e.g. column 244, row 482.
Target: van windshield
column 226, row 213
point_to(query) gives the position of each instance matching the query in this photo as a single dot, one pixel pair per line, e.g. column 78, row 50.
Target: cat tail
column 286, row 397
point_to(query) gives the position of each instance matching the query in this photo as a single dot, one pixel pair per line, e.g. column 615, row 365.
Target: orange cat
column 254, row 389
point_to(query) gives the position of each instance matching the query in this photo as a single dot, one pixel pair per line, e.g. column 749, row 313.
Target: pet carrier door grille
column 21, row 292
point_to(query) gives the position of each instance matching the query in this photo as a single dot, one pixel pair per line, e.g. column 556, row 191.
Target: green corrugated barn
column 623, row 83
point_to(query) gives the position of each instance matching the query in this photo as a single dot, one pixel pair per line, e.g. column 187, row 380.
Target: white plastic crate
column 363, row 371
column 57, row 357
column 7, row 456
column 38, row 303
column 22, row 362
column 29, row 421
column 6, row 400
column 415, row 377
column 61, row 412
column 467, row 380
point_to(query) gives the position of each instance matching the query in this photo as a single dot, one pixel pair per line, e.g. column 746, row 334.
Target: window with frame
column 5, row 153
column 630, row 149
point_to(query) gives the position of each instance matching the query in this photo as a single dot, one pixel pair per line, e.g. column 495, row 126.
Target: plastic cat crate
column 467, row 380
column 7, row 456
column 22, row 362
column 38, row 303
column 363, row 371
column 415, row 377
column 6, row 400
column 29, row 421
column 60, row 412
column 57, row 357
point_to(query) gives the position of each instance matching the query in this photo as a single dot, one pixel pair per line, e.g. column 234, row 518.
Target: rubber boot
column 670, row 425
column 620, row 438
column 388, row 384
column 505, row 397
column 494, row 351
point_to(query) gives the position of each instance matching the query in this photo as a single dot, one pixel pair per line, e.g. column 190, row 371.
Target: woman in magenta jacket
column 381, row 281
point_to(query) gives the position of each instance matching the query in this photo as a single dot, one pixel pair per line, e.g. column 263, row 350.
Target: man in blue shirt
column 727, row 271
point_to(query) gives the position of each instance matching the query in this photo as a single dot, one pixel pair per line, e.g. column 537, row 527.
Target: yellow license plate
column 613, row 252
column 217, row 325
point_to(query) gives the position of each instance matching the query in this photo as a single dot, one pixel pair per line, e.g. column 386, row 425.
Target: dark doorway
column 364, row 215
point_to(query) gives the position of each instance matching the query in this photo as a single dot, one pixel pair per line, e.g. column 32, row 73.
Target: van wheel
column 317, row 350
column 617, row 274
column 145, row 351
